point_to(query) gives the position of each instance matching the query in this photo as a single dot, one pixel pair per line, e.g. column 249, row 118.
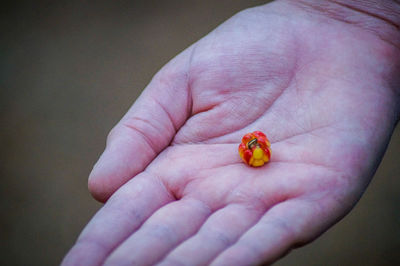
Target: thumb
column 145, row 130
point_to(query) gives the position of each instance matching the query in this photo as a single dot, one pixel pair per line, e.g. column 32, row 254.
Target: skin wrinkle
column 218, row 166
column 235, row 188
column 222, row 237
column 144, row 136
column 192, row 182
column 179, row 189
column 286, row 138
column 325, row 167
column 173, row 189
column 250, row 227
column 240, row 163
column 315, row 164
column 189, row 81
column 366, row 12
column 186, row 73
column 163, row 233
column 168, row 190
column 195, row 170
column 206, row 109
column 326, row 10
column 176, row 81
column 305, row 128
column 165, row 188
column 130, row 215
column 87, row 241
column 194, row 112
column 168, row 195
column 251, row 122
column 273, row 141
column 284, row 199
column 210, row 212
column 175, row 128
column 296, row 236
column 262, row 211
column 229, row 241
column 307, row 125
column 158, row 230
column 228, row 142
column 214, row 106
column 189, row 180
column 260, row 199
column 204, row 112
column 124, row 196
column 219, row 177
column 265, row 208
column 259, row 118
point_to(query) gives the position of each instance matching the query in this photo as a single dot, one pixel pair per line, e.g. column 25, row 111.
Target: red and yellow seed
column 255, row 149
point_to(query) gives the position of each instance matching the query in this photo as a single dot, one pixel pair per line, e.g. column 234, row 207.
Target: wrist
column 379, row 17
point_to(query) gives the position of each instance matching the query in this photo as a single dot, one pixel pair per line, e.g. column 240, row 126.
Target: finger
column 162, row 232
column 146, row 129
column 120, row 217
column 220, row 231
column 287, row 224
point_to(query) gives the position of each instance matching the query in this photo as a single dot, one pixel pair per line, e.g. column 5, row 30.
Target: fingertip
column 98, row 189
column 107, row 175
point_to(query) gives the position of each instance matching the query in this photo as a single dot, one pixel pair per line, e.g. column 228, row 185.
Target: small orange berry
column 255, row 149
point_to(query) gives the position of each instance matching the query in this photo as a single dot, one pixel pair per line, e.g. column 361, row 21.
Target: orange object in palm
column 255, row 149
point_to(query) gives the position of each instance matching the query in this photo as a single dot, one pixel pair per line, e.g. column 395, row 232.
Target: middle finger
column 164, row 230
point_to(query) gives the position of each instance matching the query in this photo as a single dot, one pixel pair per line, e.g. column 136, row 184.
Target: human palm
column 304, row 80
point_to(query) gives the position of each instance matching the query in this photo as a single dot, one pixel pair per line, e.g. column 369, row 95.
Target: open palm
column 301, row 78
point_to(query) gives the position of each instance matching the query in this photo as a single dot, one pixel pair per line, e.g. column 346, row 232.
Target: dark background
column 68, row 71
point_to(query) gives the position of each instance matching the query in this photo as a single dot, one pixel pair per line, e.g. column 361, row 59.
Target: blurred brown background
column 69, row 70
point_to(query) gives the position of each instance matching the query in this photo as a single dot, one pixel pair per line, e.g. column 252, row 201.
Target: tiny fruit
column 255, row 149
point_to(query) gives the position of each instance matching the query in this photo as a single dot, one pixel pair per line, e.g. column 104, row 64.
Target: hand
column 322, row 91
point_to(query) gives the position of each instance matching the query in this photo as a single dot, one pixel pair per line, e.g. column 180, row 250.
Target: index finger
column 122, row 215
column 146, row 129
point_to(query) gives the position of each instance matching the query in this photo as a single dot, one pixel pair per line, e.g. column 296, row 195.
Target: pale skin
column 324, row 90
